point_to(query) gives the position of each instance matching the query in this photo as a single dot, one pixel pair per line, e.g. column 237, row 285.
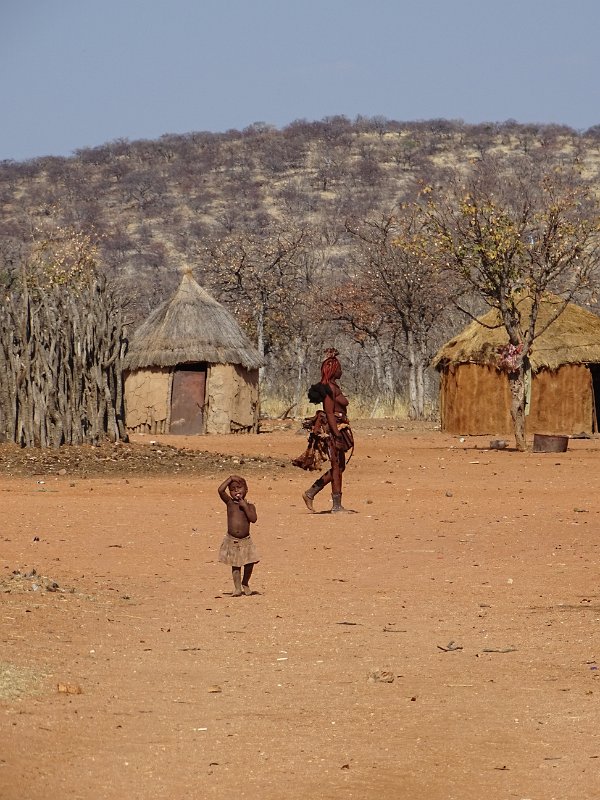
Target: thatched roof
column 190, row 327
column 573, row 338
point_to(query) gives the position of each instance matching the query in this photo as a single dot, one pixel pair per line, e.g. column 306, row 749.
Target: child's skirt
column 238, row 552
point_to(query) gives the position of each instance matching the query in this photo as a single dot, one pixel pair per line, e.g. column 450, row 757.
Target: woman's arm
column 329, row 407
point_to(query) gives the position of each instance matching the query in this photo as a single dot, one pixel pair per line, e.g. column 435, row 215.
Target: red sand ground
column 468, row 576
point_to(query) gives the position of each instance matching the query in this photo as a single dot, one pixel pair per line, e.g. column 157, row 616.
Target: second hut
column 190, row 369
column 565, row 376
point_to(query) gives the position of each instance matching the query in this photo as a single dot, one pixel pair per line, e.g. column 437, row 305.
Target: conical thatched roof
column 188, row 328
column 573, row 338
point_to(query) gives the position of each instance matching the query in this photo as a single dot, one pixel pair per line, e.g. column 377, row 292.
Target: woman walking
column 333, row 424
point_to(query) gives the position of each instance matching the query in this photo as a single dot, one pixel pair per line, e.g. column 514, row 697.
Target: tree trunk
column 383, row 376
column 300, row 390
column 516, row 382
column 377, row 368
column 388, row 373
column 420, row 383
column 413, row 406
column 260, row 339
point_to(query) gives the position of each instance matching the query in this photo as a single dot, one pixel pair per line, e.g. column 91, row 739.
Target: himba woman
column 335, row 406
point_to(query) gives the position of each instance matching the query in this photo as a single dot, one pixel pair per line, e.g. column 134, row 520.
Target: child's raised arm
column 221, row 490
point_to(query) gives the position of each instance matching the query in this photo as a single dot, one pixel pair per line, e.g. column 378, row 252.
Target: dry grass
column 362, row 407
column 16, row 681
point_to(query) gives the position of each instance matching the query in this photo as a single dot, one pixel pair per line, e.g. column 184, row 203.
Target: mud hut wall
column 561, row 401
column 232, row 395
column 245, row 407
column 474, row 400
column 148, row 400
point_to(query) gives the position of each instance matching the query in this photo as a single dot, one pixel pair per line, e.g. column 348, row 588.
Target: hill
column 159, row 205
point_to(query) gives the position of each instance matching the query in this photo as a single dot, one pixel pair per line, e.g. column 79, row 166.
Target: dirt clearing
column 441, row 643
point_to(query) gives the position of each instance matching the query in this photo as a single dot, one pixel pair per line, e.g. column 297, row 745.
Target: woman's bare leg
column 338, row 466
column 319, row 484
column 336, row 475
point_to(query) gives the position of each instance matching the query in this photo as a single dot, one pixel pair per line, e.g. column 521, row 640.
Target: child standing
column 238, row 549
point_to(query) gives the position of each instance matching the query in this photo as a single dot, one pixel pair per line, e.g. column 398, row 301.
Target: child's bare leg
column 237, row 581
column 246, row 579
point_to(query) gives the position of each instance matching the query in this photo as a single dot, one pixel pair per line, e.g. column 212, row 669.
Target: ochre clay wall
column 147, row 400
column 475, row 400
column 561, row 401
column 232, row 395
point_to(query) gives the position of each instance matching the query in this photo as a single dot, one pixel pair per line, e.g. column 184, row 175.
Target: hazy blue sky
column 78, row 73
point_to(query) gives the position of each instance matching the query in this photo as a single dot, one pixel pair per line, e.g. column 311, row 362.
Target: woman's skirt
column 238, row 552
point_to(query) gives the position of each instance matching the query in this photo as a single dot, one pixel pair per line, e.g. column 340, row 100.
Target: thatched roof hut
column 191, row 369
column 565, row 366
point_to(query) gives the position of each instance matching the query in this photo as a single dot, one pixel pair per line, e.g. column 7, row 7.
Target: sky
column 80, row 73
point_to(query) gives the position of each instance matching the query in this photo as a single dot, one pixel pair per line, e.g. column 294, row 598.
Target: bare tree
column 400, row 274
column 510, row 233
column 257, row 273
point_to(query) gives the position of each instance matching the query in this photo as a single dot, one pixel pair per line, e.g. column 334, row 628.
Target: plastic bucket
column 542, row 443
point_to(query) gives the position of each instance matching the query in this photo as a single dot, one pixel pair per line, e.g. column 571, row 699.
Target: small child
column 238, row 549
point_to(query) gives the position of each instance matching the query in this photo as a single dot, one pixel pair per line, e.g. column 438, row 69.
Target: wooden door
column 187, row 399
